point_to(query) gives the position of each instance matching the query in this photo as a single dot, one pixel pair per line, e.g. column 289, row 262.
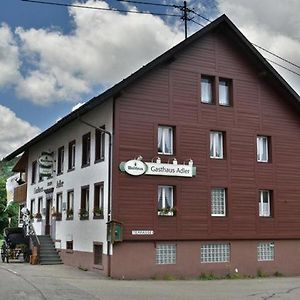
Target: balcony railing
column 20, row 193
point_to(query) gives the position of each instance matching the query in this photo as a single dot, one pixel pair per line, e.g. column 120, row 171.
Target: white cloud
column 14, row 131
column 104, row 48
column 9, row 57
column 272, row 26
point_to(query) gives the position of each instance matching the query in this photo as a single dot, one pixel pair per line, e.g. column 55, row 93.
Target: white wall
column 84, row 232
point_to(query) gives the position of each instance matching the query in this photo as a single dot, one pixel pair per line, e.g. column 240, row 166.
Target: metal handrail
column 33, row 236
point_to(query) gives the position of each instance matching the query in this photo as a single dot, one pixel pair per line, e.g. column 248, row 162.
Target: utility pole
column 184, row 17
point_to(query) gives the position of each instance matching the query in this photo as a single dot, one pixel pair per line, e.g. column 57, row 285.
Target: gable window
column 71, row 155
column 207, row 84
column 165, row 140
column 98, row 200
column 224, row 92
column 165, row 200
column 215, row 253
column 33, row 172
column 265, row 205
column 262, row 148
column 265, row 251
column 216, row 144
column 84, row 206
column 165, row 254
column 70, row 205
column 99, row 144
column 86, row 149
column 218, row 202
column 60, row 160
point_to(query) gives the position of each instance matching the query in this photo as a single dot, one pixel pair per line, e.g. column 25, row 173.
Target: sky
column 54, row 58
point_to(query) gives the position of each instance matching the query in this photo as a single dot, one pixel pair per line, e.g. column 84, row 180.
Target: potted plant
column 38, row 216
column 167, row 211
column 98, row 213
column 56, row 215
column 83, row 214
column 70, row 214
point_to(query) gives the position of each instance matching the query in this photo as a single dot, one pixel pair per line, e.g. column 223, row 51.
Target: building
column 204, row 174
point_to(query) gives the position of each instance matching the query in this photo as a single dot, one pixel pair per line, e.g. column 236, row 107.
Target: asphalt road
column 20, row 281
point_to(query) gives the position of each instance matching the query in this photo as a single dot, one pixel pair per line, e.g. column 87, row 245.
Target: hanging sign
column 138, row 167
column 45, row 164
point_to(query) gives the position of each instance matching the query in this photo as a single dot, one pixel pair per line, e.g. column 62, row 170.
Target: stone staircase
column 48, row 253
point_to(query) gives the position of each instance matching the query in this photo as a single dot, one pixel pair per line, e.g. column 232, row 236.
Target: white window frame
column 225, row 85
column 215, row 253
column 262, row 211
column 207, row 83
column 163, row 191
column 165, row 254
column 265, row 251
column 216, row 144
column 218, row 206
column 262, row 145
column 164, row 136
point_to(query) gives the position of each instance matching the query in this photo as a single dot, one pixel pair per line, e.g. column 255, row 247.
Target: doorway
column 48, row 212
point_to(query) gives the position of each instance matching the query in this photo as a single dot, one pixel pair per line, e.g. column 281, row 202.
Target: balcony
column 20, row 193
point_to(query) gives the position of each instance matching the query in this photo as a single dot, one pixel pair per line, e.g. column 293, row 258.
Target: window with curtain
column 165, row 200
column 224, row 92
column 262, row 149
column 207, row 89
column 216, row 144
column 265, row 203
column 165, row 140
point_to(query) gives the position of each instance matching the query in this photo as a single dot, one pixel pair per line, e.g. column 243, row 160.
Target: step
column 51, row 263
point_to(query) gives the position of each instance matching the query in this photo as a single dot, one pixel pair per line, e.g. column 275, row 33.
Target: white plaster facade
column 82, row 232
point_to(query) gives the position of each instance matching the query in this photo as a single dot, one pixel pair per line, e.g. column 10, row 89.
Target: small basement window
column 165, row 254
column 98, row 252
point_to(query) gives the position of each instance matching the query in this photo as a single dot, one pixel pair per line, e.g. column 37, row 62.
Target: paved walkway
column 20, row 281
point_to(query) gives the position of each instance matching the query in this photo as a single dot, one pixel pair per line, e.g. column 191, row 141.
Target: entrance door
column 48, row 212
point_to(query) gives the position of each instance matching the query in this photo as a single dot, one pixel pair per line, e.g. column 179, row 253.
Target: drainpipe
column 109, row 185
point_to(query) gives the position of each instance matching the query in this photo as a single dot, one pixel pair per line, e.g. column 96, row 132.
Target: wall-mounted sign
column 59, row 183
column 137, row 167
column 142, row 232
column 45, row 164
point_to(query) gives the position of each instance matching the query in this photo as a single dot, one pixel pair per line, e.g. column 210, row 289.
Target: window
column 86, row 149
column 98, row 250
column 71, row 155
column 165, row 254
column 33, row 172
column 84, row 206
column 58, row 207
column 99, row 144
column 40, row 205
column 32, row 206
column 265, row 251
column 262, row 149
column 224, row 92
column 98, row 200
column 70, row 205
column 165, row 200
column 69, row 245
column 165, row 140
column 216, row 144
column 60, row 160
column 218, row 202
column 207, row 84
column 265, row 203
column 215, row 253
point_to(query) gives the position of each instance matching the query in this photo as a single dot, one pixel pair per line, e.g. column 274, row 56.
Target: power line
column 204, row 18
column 150, row 3
column 276, row 55
column 100, row 8
column 192, row 20
column 279, row 65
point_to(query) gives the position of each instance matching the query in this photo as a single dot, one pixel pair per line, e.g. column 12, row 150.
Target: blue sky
column 52, row 58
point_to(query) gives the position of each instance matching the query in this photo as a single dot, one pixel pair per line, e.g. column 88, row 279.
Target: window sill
column 218, row 216
column 98, row 160
column 98, row 217
column 58, row 174
column 208, row 103
column 70, row 170
column 166, row 214
column 86, row 165
column 217, row 158
column 83, row 218
column 69, row 218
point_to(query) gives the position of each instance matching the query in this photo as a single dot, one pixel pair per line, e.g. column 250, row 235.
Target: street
column 23, row 281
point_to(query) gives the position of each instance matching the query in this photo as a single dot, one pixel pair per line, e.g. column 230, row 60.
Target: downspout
column 109, row 186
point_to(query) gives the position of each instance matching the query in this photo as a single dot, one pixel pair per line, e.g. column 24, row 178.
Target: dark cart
column 15, row 243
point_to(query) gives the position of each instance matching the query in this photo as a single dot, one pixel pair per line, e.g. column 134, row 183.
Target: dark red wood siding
column 170, row 95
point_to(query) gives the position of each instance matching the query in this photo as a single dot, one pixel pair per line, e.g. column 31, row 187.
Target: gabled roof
column 223, row 23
